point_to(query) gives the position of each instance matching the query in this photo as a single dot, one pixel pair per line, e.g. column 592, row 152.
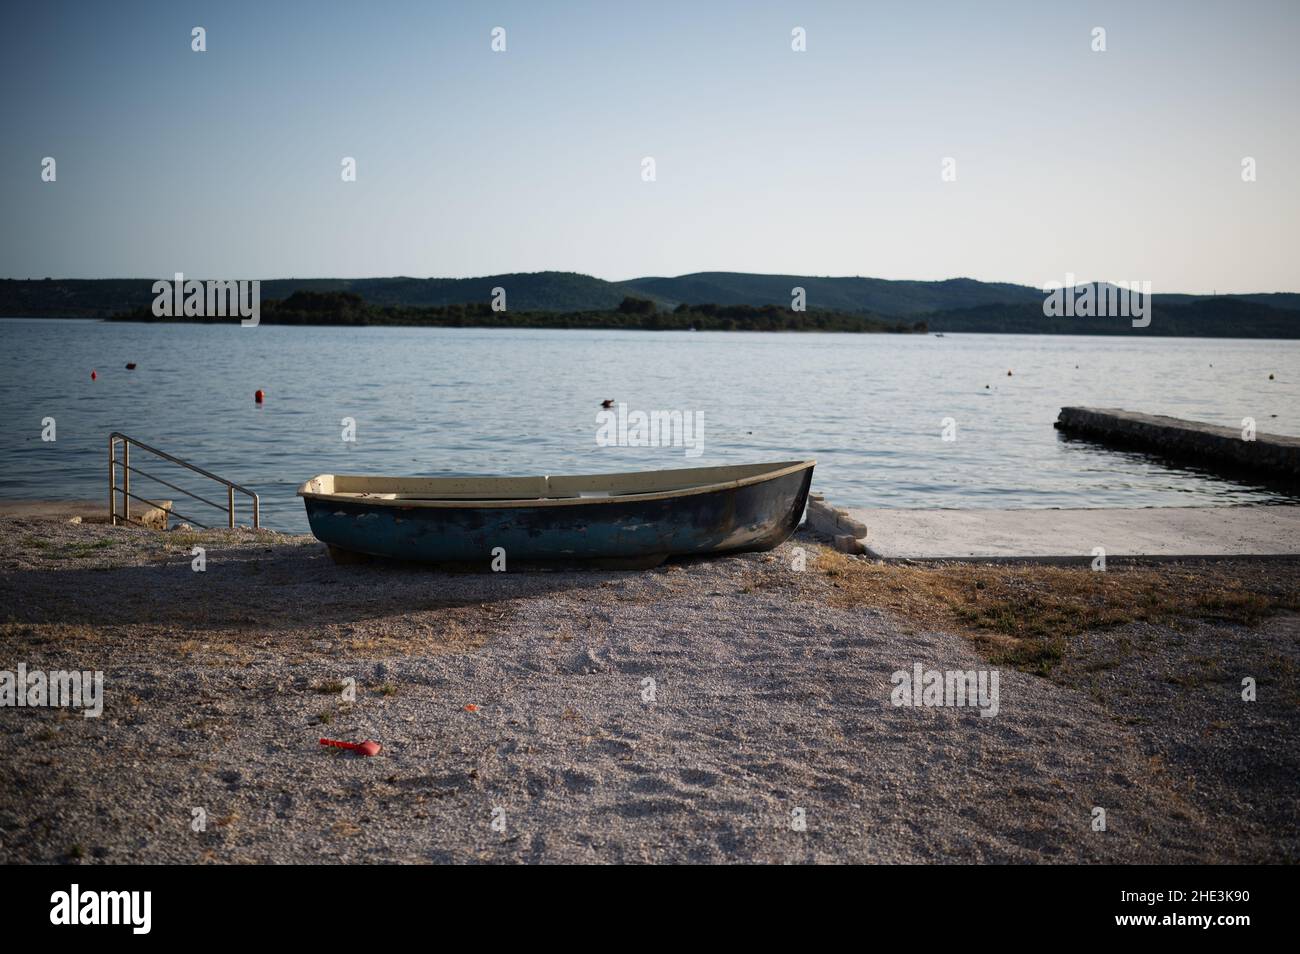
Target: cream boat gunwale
column 389, row 499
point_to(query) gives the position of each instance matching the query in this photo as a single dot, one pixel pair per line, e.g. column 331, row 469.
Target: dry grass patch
column 448, row 629
column 1024, row 615
column 30, row 641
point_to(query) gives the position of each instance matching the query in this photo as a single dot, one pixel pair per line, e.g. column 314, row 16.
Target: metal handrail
column 128, row 470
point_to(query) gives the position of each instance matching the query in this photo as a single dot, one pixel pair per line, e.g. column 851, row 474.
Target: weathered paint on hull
column 757, row 516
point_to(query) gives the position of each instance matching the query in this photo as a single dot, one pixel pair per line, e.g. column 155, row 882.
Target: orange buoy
column 258, row 396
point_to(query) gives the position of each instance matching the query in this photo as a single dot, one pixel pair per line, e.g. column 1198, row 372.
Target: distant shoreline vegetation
column 739, row 301
column 637, row 314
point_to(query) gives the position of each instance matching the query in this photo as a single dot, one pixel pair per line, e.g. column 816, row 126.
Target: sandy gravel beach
column 521, row 698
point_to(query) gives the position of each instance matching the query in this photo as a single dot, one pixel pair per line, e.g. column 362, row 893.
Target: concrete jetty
column 1238, row 449
column 1074, row 536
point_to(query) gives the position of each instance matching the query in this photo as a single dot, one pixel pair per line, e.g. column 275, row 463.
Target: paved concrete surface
column 90, row 511
column 1067, row 535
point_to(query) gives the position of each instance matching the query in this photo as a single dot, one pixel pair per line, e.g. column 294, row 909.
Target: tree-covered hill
column 959, row 304
column 349, row 309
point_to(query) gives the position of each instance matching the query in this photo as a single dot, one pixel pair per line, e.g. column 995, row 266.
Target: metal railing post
column 127, row 496
column 112, row 481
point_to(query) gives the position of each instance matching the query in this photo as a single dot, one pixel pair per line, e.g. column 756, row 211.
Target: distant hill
column 1222, row 317
column 877, row 295
column 957, row 304
column 350, row 309
column 531, row 291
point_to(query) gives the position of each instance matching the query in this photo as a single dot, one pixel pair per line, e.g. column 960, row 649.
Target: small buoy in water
column 1270, row 377
column 258, row 396
column 93, row 375
column 130, row 365
column 986, row 387
column 608, row 402
column 1008, row 374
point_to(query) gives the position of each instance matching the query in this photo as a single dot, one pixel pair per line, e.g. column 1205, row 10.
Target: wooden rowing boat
column 635, row 519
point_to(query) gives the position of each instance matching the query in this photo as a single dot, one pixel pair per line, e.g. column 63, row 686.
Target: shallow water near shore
column 426, row 401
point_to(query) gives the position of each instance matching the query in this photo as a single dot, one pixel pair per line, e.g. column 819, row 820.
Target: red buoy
column 258, row 396
column 93, row 375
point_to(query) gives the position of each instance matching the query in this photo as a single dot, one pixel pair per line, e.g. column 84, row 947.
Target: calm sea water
column 484, row 401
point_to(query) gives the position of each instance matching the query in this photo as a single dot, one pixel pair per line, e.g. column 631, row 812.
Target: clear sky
column 1122, row 165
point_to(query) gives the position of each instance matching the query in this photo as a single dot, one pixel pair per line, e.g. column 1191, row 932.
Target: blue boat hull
column 756, row 516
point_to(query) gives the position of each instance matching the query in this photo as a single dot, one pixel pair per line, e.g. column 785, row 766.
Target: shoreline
column 737, row 331
column 1208, row 532
column 930, row 333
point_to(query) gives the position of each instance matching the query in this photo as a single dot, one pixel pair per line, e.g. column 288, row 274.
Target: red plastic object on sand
column 368, row 747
